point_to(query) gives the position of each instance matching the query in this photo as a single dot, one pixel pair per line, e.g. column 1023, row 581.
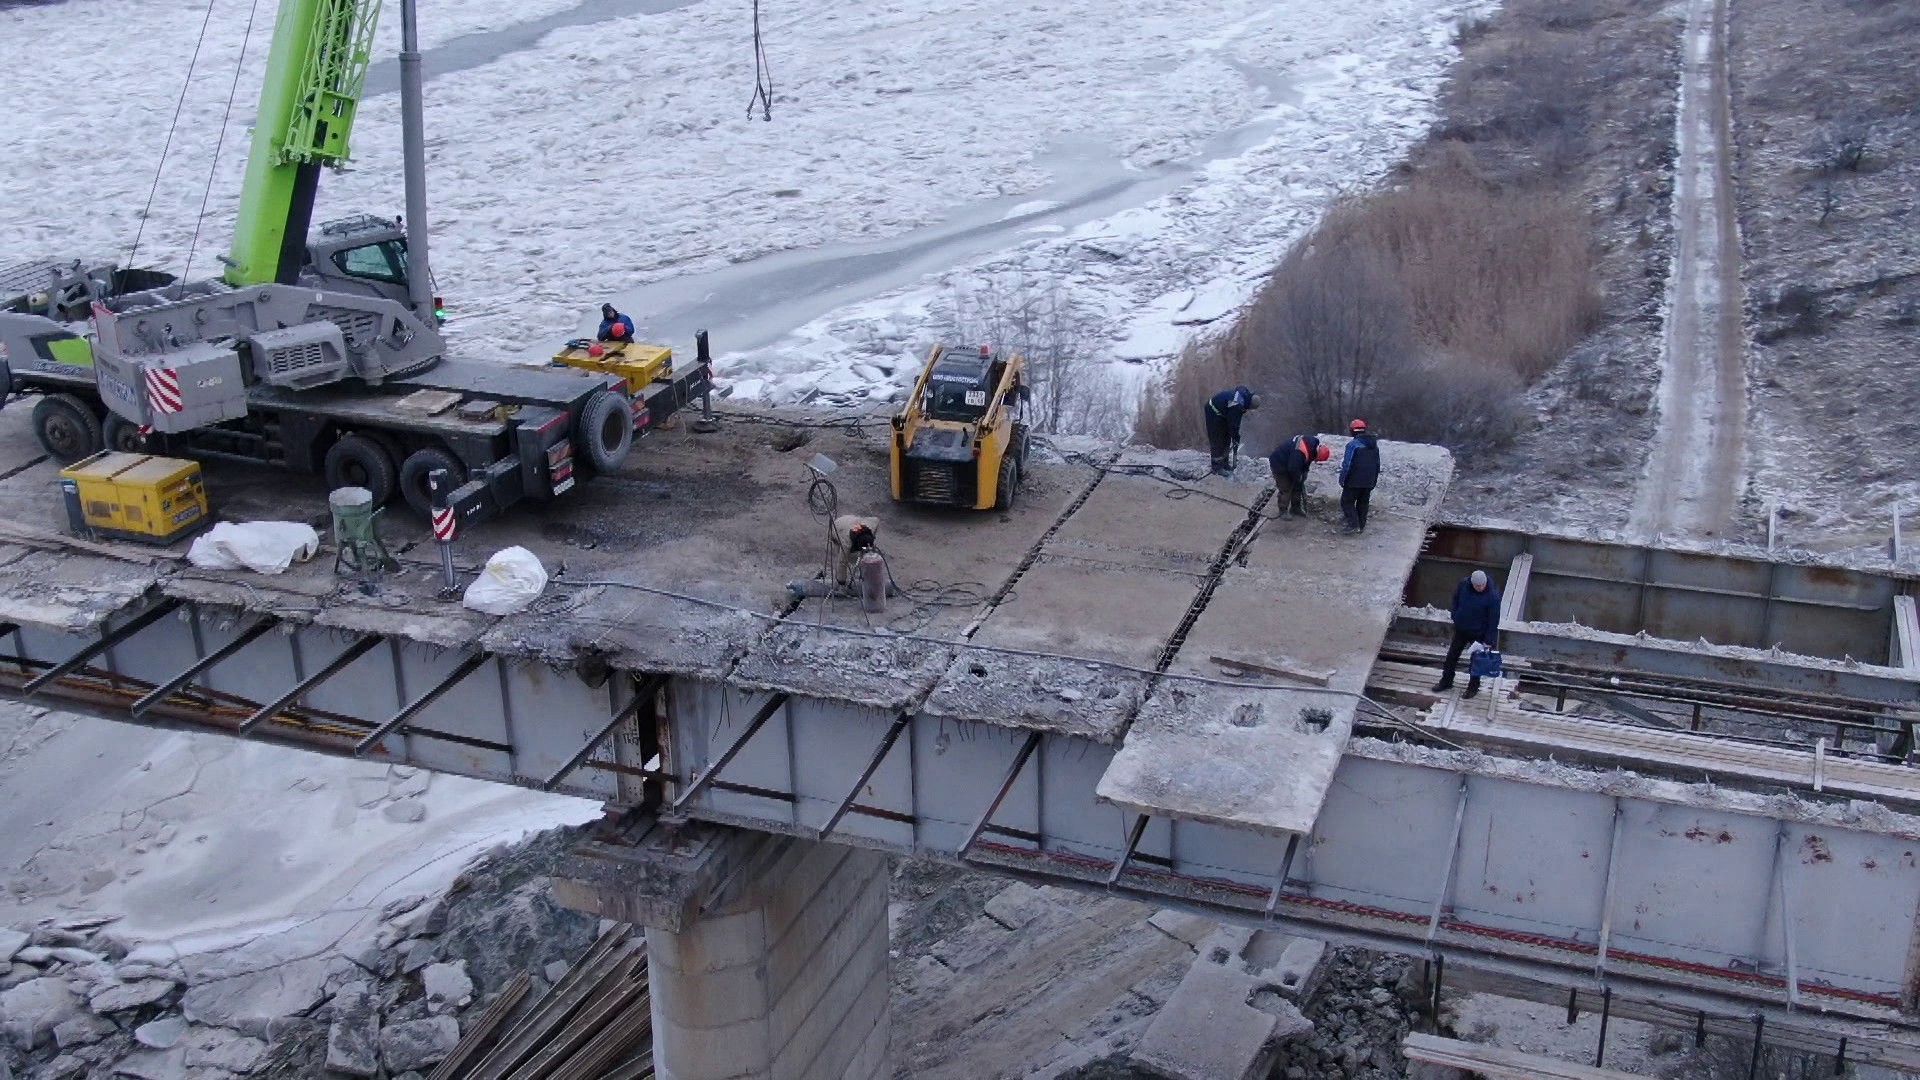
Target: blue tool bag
column 1484, row 664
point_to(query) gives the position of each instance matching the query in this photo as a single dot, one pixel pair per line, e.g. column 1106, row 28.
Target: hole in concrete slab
column 789, row 439
column 1267, row 999
column 1246, row 716
column 1289, row 979
column 978, row 671
column 1316, row 719
column 1219, row 956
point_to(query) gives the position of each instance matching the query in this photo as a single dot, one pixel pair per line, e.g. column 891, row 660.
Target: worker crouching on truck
column 613, row 325
column 1290, row 462
column 1224, row 411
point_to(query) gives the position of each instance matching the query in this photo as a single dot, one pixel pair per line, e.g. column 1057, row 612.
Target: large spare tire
column 605, row 432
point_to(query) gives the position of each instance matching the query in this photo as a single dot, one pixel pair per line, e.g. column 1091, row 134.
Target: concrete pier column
column 768, row 955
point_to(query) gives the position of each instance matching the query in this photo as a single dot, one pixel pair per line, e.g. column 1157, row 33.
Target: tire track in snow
column 1697, row 464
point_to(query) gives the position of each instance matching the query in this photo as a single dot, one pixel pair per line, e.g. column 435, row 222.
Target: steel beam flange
column 107, row 641
column 347, row 656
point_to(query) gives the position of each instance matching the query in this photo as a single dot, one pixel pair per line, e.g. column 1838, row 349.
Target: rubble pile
column 78, row 1001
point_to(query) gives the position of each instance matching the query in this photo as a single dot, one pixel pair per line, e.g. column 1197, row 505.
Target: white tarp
column 265, row 547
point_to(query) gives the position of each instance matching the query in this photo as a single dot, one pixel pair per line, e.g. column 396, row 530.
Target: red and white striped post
column 440, row 484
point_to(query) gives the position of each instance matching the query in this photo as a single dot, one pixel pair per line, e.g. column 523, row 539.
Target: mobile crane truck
column 320, row 354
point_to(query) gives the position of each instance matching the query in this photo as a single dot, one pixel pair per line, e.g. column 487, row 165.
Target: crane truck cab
column 363, row 254
column 962, row 437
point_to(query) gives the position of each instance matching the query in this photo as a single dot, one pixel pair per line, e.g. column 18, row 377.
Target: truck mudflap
column 662, row 399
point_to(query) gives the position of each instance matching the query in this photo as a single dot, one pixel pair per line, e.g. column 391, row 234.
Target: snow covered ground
column 1150, row 160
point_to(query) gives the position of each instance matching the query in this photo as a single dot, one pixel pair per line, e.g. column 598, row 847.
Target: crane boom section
column 315, row 74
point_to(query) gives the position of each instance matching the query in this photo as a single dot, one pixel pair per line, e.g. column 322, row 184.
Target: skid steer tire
column 418, row 467
column 357, row 461
column 605, row 432
column 66, row 428
column 1008, row 487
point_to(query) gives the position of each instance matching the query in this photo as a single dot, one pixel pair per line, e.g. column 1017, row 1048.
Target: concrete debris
column 405, row 812
column 417, row 1044
column 77, row 956
column 224, row 1050
column 160, row 1034
column 447, row 985
column 1235, row 1007
column 35, row 954
column 11, row 942
column 82, row 1030
column 354, row 1036
column 115, row 996
column 246, row 1003
column 154, row 1065
column 29, row 1012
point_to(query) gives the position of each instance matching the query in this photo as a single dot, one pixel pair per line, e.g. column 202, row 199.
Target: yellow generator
column 118, row 496
column 961, row 438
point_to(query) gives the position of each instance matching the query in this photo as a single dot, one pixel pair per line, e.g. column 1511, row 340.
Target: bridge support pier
column 768, row 955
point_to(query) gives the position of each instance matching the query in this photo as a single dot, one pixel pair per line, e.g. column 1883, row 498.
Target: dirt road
column 1697, row 465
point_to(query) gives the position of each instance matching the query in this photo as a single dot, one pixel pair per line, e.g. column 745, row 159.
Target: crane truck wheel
column 357, row 461
column 123, row 435
column 418, row 467
column 606, row 430
column 67, row 428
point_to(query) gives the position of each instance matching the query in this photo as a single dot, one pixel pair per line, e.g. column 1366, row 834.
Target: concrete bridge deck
column 1063, row 693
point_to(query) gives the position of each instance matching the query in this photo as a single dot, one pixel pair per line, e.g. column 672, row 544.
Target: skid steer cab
column 961, row 439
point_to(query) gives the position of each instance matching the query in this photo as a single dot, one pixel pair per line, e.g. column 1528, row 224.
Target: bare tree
column 1331, row 329
column 1039, row 320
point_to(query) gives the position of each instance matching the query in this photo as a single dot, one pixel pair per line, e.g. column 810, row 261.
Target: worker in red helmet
column 613, row 325
column 1359, row 472
column 1290, row 462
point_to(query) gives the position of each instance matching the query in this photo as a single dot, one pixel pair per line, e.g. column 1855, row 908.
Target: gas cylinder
column 873, row 582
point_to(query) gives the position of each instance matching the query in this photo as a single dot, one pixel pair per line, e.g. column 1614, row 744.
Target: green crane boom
column 315, row 73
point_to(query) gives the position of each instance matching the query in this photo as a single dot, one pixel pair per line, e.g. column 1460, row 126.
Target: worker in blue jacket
column 613, row 325
column 1476, row 618
column 1359, row 472
column 1224, row 411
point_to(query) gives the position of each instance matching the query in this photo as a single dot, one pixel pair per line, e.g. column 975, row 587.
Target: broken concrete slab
column 216, row 1049
column 1018, row 905
column 161, row 1034
column 82, row 1030
column 1210, row 1030
column 118, row 996
column 154, row 1065
column 353, row 1037
column 246, row 1003
column 1259, row 759
column 11, row 942
column 447, row 986
column 1183, row 926
column 29, row 1012
column 417, row 1044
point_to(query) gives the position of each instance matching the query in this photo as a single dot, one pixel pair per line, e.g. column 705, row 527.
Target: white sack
column 265, row 547
column 512, row 579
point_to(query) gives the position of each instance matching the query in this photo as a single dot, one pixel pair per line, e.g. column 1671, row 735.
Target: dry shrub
column 1330, row 326
column 1498, row 275
column 1426, row 308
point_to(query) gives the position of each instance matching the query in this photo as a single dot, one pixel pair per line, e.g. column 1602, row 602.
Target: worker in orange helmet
column 1359, row 472
column 1290, row 462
